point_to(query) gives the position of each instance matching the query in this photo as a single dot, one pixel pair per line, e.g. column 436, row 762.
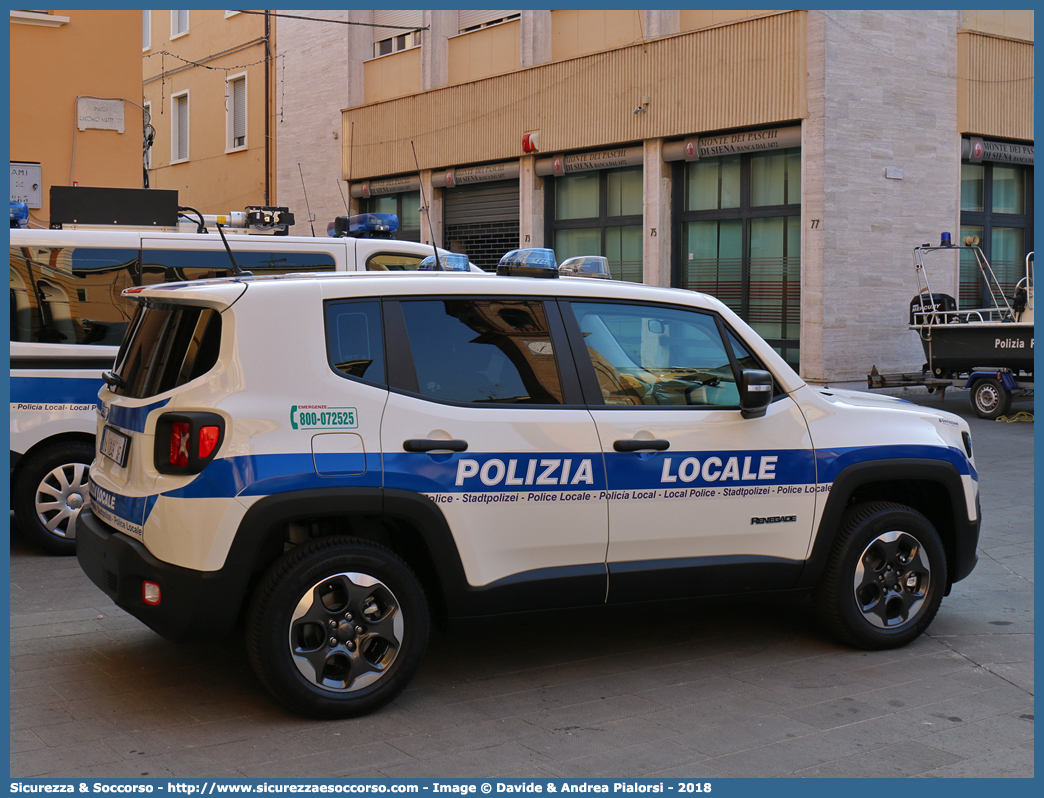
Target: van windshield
column 166, row 346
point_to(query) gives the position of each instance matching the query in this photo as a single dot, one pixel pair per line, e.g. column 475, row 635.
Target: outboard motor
column 940, row 303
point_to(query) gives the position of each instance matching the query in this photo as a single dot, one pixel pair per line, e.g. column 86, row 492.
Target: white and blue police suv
column 341, row 459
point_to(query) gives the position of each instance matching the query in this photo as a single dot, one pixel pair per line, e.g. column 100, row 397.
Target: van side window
column 393, row 262
column 71, row 295
column 176, row 265
column 354, row 341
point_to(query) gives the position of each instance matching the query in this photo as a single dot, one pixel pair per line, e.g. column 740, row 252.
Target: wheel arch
column 407, row 523
column 60, row 439
column 930, row 487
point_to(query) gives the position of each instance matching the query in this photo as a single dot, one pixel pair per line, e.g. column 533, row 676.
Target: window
column 651, row 355
column 236, row 113
column 405, row 206
column 146, row 30
column 354, row 341
column 179, row 23
column 394, row 44
column 740, row 235
column 175, row 265
column 600, row 213
column 483, row 351
column 179, row 128
column 393, row 262
column 67, row 295
column 167, row 346
column 996, row 206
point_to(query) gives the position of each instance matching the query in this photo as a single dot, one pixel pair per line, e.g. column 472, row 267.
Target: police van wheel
column 50, row 487
column 337, row 627
column 885, row 578
column 989, row 398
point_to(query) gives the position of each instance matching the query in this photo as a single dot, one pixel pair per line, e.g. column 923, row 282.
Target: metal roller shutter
column 394, row 17
column 469, row 18
column 482, row 221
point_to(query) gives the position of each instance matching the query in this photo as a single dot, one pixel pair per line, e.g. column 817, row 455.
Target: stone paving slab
column 747, row 690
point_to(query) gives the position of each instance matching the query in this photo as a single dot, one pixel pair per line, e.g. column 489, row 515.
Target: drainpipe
column 268, row 110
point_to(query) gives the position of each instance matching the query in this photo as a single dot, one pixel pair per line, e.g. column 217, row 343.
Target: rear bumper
column 193, row 604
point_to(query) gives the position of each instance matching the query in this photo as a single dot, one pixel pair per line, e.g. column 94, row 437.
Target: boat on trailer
column 989, row 349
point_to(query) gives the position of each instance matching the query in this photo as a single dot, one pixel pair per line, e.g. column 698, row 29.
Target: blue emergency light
column 19, row 214
column 450, row 262
column 945, row 240
column 364, row 225
column 586, row 266
column 534, row 262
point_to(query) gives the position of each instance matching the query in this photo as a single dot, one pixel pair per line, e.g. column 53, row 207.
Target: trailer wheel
column 990, row 399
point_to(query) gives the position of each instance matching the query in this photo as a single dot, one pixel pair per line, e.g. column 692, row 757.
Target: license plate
column 115, row 445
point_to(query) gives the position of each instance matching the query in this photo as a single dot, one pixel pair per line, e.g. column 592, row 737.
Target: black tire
column 51, row 484
column 354, row 645
column 885, row 578
column 990, row 399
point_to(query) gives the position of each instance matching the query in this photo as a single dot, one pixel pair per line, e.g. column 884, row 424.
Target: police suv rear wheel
column 337, row 627
column 50, row 487
column 885, row 578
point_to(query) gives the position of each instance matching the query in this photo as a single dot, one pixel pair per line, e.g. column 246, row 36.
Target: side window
column 393, row 262
column 652, row 356
column 71, row 295
column 483, row 351
column 175, row 265
column 354, row 341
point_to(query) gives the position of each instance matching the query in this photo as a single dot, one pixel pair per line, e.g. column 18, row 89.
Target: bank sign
column 977, row 150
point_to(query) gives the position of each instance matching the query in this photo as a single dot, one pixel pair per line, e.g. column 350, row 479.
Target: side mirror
column 755, row 392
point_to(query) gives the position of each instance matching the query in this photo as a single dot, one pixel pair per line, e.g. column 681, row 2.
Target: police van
column 338, row 461
column 68, row 314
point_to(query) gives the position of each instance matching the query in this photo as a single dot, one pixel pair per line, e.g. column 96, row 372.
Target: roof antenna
column 237, row 271
column 307, row 206
column 424, row 204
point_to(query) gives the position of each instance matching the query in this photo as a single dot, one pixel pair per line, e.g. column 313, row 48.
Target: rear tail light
column 179, row 444
column 187, row 442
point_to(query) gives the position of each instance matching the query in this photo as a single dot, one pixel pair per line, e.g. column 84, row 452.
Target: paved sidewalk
column 713, row 692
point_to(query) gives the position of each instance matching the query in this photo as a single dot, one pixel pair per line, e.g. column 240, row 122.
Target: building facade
column 787, row 162
column 76, row 115
column 207, row 79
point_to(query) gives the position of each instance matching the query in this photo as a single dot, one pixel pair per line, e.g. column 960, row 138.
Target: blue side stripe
column 133, row 418
column 832, row 461
column 67, row 390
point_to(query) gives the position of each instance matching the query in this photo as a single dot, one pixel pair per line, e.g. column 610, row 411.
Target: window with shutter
column 237, row 110
column 179, row 23
column 180, row 123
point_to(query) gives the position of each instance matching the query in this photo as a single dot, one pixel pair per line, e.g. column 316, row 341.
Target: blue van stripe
column 67, row 390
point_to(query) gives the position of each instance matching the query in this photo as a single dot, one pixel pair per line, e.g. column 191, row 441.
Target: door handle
column 635, row 445
column 430, row 445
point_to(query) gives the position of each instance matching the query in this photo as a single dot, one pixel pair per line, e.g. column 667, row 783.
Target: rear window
column 167, row 346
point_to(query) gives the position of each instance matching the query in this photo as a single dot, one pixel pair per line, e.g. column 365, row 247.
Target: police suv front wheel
column 885, row 578
column 337, row 627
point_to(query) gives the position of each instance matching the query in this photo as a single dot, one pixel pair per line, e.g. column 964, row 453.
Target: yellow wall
column 392, row 75
column 95, row 53
column 212, row 180
column 485, row 52
column 704, row 18
column 578, row 32
column 1013, row 24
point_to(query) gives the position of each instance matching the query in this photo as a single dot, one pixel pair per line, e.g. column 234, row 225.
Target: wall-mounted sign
column 476, row 174
column 558, row 165
column 99, row 114
column 393, row 185
column 26, row 183
column 696, row 147
column 977, row 150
